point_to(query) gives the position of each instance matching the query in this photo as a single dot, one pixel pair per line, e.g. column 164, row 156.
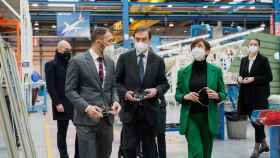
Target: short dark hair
column 143, row 29
column 206, row 43
column 255, row 39
column 98, row 33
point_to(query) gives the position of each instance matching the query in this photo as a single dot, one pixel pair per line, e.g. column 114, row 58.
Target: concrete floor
column 43, row 126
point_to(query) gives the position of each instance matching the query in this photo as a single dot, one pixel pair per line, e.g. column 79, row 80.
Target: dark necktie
column 141, row 67
column 100, row 69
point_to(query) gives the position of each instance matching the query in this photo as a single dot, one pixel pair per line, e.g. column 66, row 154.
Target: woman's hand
column 212, row 94
column 192, row 96
column 248, row 80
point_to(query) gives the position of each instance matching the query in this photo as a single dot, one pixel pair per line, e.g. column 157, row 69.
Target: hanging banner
column 73, row 25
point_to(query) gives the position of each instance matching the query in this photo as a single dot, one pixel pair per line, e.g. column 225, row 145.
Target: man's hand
column 94, row 112
column 116, row 108
column 151, row 93
column 212, row 94
column 192, row 96
column 129, row 96
column 60, row 108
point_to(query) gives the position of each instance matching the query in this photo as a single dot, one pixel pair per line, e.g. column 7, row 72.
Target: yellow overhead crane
column 117, row 27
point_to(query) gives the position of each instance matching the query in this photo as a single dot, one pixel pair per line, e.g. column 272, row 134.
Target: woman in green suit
column 199, row 112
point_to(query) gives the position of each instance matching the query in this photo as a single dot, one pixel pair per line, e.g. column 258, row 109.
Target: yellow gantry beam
column 136, row 9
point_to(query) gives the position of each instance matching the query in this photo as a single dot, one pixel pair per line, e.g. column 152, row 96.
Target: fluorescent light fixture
column 60, row 5
column 171, row 25
column 63, row 0
column 253, row 7
column 225, row 7
column 35, row 5
column 170, row 6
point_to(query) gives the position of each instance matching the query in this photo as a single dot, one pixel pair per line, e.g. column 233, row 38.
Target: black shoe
column 264, row 148
column 256, row 151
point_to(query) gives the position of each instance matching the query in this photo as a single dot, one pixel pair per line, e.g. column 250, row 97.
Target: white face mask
column 253, row 49
column 109, row 50
column 198, row 54
column 141, row 47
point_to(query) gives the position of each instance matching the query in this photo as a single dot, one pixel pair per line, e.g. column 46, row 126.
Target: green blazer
column 214, row 81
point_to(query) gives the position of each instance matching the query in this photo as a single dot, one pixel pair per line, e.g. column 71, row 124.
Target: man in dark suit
column 62, row 109
column 141, row 81
column 90, row 86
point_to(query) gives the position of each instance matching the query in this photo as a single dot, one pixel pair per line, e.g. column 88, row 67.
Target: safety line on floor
column 48, row 138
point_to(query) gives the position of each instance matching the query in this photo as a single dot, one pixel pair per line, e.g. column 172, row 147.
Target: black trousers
column 259, row 131
column 62, row 128
column 161, row 145
column 135, row 133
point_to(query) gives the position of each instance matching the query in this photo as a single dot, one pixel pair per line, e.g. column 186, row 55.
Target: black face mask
column 67, row 55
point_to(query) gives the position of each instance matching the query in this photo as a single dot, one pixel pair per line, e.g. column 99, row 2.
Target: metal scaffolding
column 19, row 118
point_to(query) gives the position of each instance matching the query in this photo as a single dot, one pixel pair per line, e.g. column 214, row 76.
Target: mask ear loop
column 204, row 105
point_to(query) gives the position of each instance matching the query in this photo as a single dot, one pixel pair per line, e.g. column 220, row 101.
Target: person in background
column 254, row 78
column 90, row 86
column 200, row 87
column 141, row 81
column 35, row 77
column 62, row 108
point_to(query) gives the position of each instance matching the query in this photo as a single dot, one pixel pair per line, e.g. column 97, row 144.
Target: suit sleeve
column 50, row 81
column 163, row 85
column 179, row 95
column 120, row 73
column 241, row 68
column 221, row 86
column 72, row 85
column 266, row 77
column 114, row 93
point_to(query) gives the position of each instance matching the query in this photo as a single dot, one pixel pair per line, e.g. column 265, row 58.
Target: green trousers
column 200, row 140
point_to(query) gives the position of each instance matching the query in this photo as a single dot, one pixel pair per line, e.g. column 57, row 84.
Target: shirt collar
column 94, row 54
column 145, row 53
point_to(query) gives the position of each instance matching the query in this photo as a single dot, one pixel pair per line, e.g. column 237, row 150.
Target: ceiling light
column 36, row 28
column 131, row 20
column 253, row 7
column 35, row 5
column 205, row 6
column 60, row 5
column 170, row 6
column 225, row 7
column 53, row 26
column 36, row 23
column 171, row 25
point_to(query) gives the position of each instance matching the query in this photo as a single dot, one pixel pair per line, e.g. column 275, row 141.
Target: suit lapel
column 134, row 66
column 187, row 76
column 210, row 75
column 254, row 65
column 148, row 66
column 93, row 68
column 107, row 69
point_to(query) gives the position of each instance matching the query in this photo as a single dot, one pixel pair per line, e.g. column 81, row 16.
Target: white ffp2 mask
column 198, row 54
column 141, row 47
column 253, row 49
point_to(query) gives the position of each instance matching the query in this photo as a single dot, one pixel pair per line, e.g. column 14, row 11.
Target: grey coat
column 83, row 87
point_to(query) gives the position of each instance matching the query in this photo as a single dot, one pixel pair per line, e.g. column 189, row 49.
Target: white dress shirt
column 95, row 56
column 251, row 62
